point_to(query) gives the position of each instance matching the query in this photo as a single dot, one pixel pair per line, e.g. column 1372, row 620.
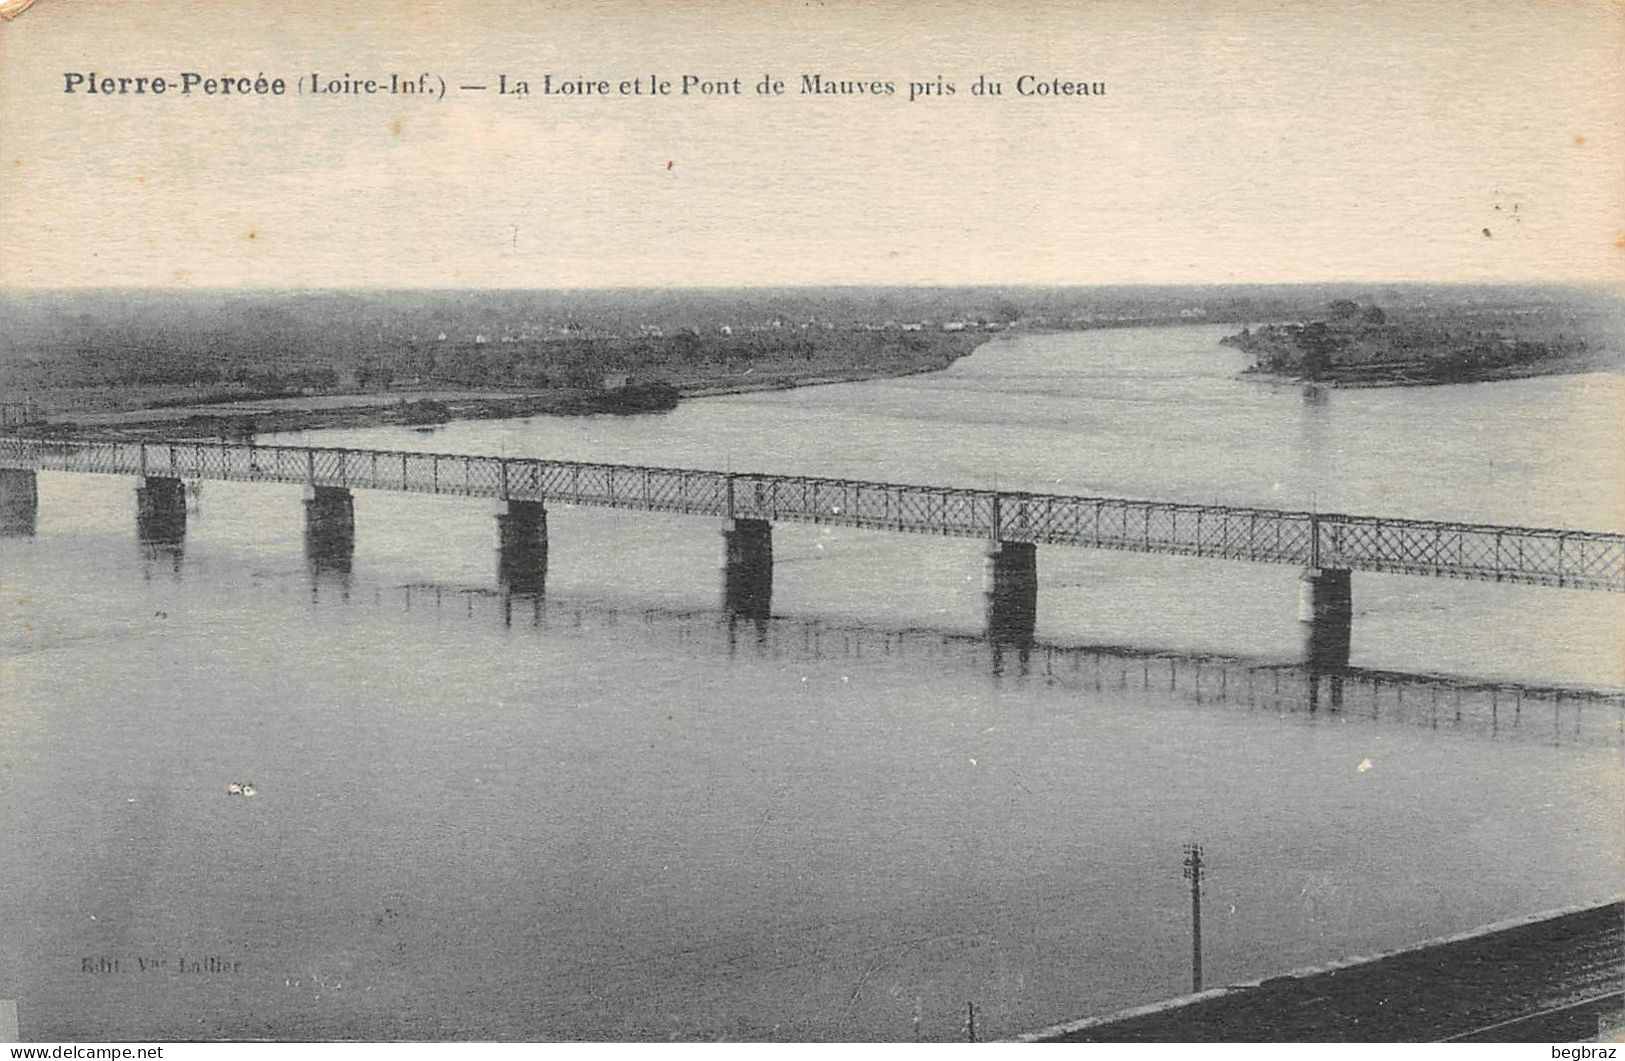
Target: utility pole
column 1193, row 873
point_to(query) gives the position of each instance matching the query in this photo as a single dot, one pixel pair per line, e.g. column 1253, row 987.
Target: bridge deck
column 1569, row 559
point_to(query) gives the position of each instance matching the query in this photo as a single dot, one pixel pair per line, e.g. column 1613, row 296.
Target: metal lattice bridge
column 1569, row 559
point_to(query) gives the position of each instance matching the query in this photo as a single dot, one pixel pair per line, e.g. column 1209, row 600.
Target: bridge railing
column 869, row 505
column 1157, row 526
column 1562, row 558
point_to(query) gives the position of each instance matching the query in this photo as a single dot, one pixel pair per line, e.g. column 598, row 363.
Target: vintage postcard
column 812, row 521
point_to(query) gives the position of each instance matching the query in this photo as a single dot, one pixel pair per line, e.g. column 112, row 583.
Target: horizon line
column 1611, row 286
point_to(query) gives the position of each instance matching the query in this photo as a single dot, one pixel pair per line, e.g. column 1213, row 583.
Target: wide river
column 609, row 814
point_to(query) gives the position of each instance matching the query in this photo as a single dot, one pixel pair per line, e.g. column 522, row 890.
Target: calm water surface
column 607, row 814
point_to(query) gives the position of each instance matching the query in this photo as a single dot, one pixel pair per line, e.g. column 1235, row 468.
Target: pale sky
column 1273, row 142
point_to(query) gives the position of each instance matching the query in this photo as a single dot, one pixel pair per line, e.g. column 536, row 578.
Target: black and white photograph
column 807, row 521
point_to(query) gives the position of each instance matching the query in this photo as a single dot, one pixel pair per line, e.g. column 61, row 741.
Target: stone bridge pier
column 19, row 502
column 160, row 510
column 522, row 547
column 747, row 568
column 1010, row 592
column 329, row 527
column 1326, row 613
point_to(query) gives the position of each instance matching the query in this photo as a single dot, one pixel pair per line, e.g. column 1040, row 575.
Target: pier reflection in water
column 19, row 504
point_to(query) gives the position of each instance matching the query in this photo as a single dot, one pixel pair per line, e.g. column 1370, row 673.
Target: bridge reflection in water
column 1549, row 714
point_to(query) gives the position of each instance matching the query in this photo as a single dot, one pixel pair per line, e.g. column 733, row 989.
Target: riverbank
column 1551, row 977
column 1372, row 377
column 170, row 416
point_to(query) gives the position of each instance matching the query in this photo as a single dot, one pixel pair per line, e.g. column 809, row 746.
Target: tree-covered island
column 1355, row 345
